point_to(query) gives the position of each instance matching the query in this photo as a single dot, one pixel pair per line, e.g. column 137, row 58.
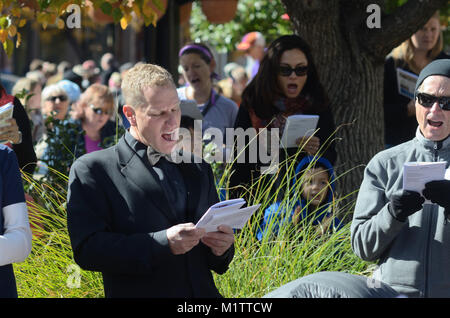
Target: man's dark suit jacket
column 118, row 214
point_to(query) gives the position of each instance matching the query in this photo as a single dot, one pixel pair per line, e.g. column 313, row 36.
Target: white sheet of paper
column 447, row 174
column 226, row 213
column 406, row 83
column 416, row 174
column 298, row 126
column 6, row 112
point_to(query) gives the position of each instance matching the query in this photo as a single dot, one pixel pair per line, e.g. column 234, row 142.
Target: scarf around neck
column 285, row 107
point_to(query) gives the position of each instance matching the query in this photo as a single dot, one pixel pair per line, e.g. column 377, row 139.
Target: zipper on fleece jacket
column 436, row 147
column 430, row 216
column 430, row 219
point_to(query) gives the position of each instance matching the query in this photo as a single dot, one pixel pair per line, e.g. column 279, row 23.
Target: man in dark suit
column 131, row 210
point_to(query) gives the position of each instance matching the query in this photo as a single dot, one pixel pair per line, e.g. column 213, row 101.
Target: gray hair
column 51, row 90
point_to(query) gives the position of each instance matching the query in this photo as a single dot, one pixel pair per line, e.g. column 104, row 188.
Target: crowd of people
column 131, row 209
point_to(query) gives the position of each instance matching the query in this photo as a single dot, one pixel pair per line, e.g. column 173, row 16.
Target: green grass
column 262, row 266
column 257, row 267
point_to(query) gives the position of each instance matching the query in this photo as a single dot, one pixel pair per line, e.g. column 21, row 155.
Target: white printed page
column 417, row 174
column 233, row 216
column 298, row 126
column 406, row 82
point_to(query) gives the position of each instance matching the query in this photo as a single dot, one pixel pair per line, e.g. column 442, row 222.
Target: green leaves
column 252, row 15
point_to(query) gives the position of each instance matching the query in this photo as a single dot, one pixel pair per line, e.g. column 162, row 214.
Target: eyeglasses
column 99, row 111
column 428, row 101
column 287, row 70
column 62, row 98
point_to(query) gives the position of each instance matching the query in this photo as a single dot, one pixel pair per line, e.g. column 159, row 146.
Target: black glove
column 404, row 204
column 438, row 192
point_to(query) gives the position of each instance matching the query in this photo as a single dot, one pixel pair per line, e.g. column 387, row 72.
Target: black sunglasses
column 62, row 98
column 99, row 111
column 287, row 70
column 428, row 101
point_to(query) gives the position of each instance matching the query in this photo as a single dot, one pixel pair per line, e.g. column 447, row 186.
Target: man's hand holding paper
column 183, row 237
column 226, row 213
column 417, row 174
column 438, row 192
column 219, row 241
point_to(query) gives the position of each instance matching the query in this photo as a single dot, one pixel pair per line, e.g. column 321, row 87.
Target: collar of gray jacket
column 435, row 145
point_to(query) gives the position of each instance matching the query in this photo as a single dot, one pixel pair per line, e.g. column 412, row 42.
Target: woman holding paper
column 18, row 132
column 411, row 56
column 286, row 84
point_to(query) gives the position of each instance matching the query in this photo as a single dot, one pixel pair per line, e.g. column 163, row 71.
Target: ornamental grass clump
column 258, row 267
column 289, row 251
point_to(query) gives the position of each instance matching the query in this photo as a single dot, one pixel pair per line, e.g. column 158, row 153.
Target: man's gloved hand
column 438, row 192
column 405, row 203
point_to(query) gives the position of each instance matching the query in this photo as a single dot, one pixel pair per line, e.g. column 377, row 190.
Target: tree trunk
column 350, row 60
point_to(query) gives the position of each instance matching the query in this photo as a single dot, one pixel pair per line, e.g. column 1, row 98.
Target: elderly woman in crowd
column 54, row 102
column 86, row 129
column 54, row 108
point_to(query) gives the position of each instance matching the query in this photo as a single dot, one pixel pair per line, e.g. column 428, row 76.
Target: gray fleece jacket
column 413, row 256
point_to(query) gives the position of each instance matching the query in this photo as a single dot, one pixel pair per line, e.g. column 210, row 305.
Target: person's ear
column 130, row 114
column 212, row 65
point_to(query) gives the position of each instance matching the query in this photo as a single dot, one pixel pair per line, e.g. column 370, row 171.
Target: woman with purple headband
column 198, row 64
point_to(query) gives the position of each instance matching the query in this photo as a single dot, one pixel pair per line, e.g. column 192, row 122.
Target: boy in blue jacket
column 314, row 205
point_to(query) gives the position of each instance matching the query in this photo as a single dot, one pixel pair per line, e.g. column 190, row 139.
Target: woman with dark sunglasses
column 88, row 127
column 93, row 112
column 286, row 84
column 54, row 102
column 54, row 107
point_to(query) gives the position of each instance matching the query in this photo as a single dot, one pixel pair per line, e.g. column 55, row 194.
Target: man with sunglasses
column 410, row 238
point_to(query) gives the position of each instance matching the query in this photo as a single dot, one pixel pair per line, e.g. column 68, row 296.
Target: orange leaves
column 15, row 14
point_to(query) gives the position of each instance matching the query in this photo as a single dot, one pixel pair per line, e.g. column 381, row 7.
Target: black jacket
column 118, row 214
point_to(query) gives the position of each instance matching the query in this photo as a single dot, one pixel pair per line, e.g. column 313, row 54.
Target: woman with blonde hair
column 423, row 47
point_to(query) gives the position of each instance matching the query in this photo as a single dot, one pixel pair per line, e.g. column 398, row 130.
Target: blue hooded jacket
column 307, row 211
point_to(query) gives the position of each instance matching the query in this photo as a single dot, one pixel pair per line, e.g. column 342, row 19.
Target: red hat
column 251, row 39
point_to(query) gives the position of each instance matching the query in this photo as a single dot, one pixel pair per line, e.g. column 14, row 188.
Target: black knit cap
column 437, row 67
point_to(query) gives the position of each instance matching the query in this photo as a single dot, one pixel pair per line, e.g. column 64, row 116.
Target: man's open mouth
column 170, row 136
column 434, row 123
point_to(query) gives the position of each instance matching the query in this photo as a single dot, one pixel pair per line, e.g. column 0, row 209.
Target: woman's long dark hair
column 263, row 90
